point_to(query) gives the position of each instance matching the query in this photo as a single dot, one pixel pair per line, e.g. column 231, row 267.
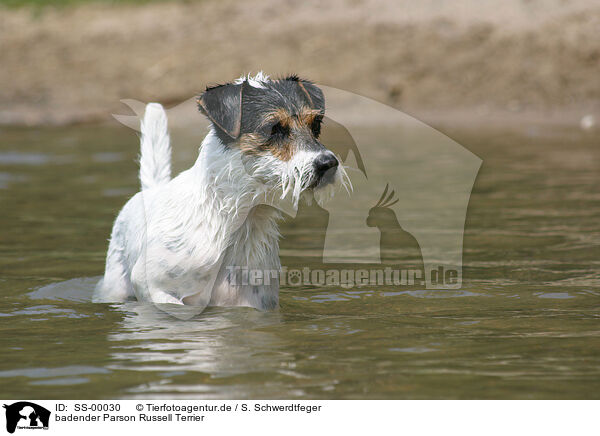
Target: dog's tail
column 155, row 159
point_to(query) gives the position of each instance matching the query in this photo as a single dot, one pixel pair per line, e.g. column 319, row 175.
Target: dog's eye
column 279, row 131
column 316, row 126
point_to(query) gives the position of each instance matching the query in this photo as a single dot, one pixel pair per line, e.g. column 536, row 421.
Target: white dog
column 181, row 240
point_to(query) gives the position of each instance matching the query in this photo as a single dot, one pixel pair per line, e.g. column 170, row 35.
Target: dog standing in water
column 178, row 240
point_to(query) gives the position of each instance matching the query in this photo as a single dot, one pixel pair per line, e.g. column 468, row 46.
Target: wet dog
column 181, row 240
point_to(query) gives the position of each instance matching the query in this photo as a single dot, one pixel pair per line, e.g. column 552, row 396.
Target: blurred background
column 501, row 61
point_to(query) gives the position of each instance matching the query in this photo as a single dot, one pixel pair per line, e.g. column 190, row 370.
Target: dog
column 183, row 240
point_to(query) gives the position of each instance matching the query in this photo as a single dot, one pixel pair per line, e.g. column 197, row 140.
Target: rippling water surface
column 525, row 324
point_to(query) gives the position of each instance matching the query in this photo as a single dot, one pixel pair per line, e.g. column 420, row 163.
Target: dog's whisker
column 346, row 182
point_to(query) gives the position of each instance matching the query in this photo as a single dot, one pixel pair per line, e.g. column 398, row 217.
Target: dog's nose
column 324, row 162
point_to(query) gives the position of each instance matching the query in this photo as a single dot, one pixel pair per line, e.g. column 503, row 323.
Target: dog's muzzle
column 325, row 165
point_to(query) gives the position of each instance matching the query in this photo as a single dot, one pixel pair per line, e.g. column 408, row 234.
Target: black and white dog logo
column 26, row 415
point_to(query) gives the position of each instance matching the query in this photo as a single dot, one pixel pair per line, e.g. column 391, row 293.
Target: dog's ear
column 222, row 105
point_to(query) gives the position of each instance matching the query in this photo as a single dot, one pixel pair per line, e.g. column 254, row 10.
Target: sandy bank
column 497, row 60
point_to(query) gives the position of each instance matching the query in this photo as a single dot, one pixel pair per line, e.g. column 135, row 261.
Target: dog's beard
column 299, row 177
column 290, row 179
column 326, row 189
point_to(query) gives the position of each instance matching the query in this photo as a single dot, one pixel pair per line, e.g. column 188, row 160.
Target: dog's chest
column 197, row 271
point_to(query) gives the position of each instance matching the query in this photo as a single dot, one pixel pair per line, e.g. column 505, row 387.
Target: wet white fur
column 172, row 242
column 155, row 158
column 255, row 81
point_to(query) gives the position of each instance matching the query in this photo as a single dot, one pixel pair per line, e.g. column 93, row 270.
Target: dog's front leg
column 147, row 285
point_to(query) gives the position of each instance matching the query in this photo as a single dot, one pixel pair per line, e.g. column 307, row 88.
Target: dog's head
column 275, row 126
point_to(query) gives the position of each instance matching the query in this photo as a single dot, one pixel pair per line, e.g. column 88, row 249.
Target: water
column 525, row 324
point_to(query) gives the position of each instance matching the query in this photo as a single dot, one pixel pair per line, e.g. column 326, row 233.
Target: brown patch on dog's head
column 304, row 117
column 282, row 133
column 253, row 144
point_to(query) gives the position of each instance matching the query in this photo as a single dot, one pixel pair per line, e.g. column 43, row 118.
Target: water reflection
column 219, row 342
